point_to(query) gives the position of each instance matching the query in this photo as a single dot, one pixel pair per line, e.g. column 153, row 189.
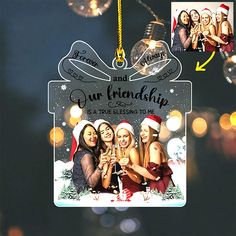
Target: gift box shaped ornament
column 125, row 97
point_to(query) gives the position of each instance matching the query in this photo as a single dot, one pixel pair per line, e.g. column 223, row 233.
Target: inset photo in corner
column 202, row 26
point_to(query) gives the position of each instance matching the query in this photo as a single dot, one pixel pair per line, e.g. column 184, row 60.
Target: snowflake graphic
column 63, row 87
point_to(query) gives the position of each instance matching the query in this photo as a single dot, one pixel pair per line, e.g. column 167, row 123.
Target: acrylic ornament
column 114, row 93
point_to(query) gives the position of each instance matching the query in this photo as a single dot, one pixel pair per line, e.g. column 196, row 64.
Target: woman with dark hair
column 88, row 167
column 196, row 29
column 182, row 40
column 111, row 168
column 155, row 169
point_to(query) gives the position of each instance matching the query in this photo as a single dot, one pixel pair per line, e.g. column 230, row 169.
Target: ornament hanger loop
column 119, row 65
column 120, row 53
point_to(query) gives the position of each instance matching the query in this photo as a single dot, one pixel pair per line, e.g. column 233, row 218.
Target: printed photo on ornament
column 119, row 135
column 202, row 27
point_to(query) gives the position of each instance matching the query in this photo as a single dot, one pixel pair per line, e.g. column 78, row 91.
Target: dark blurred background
column 34, row 36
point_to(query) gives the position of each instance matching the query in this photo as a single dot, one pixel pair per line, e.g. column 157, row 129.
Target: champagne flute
column 113, row 152
column 122, row 156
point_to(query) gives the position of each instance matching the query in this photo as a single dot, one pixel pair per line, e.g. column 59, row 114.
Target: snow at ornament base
column 138, row 199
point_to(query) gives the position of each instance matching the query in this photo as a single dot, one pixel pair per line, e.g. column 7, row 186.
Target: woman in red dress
column 155, row 168
column 225, row 31
column 208, row 29
column 224, row 36
column 127, row 152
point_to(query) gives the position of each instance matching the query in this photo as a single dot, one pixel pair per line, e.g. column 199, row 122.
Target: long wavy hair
column 144, row 148
column 102, row 144
column 224, row 17
column 83, row 145
column 191, row 21
column 180, row 23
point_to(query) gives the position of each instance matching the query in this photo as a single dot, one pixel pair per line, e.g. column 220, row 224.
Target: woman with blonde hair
column 155, row 169
column 127, row 152
column 208, row 30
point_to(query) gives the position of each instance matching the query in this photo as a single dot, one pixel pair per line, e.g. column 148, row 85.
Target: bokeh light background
column 34, row 35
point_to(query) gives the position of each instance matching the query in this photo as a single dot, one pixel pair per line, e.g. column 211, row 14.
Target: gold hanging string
column 120, row 53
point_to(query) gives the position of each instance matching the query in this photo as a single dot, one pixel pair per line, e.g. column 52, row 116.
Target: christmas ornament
column 113, row 93
column 89, row 8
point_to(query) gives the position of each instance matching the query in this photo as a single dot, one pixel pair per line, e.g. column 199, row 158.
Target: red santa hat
column 153, row 121
column 206, row 11
column 223, row 8
column 98, row 122
column 75, row 136
column 125, row 125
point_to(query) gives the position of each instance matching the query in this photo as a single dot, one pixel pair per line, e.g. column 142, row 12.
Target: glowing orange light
column 233, row 118
column 225, row 122
column 73, row 121
column 93, row 4
column 176, row 113
column 199, row 127
column 15, row 231
column 56, row 136
column 152, row 44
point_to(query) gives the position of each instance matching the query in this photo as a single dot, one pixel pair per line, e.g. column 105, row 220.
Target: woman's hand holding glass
column 124, row 162
column 113, row 158
column 194, row 32
column 104, row 158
